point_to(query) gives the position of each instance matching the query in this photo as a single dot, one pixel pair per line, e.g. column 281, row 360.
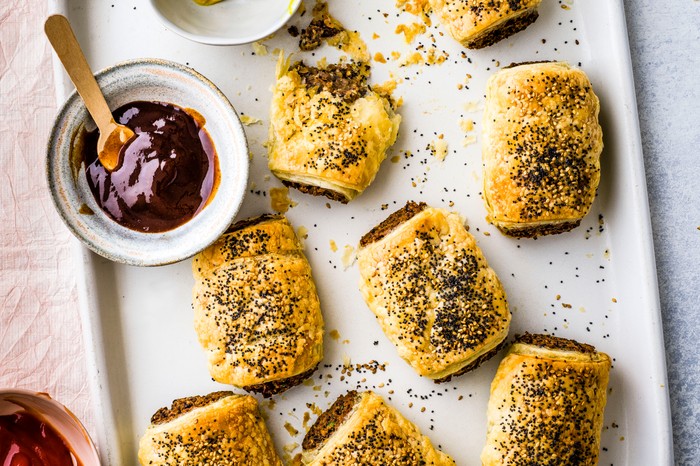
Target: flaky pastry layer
column 227, row 431
column 541, row 148
column 432, row 291
column 257, row 313
column 372, row 432
column 546, row 404
column 480, row 23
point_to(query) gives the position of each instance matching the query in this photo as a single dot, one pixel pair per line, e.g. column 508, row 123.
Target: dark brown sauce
column 166, row 173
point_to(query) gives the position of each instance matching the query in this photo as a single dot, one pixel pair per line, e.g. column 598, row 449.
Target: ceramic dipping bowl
column 42, row 407
column 160, row 81
column 230, row 22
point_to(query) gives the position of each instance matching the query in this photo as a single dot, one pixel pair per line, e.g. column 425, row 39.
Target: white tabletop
column 40, row 344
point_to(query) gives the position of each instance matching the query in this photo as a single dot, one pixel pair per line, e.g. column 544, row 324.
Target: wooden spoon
column 112, row 135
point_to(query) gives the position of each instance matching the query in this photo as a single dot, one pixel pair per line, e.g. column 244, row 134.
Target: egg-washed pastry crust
column 220, row 428
column 361, row 429
column 432, row 291
column 257, row 313
column 541, row 148
column 329, row 131
column 546, row 404
column 480, row 23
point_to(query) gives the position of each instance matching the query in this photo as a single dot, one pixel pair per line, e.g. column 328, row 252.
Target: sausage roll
column 546, row 405
column 220, row 428
column 541, row 148
column 257, row 313
column 432, row 291
column 360, row 429
column 329, row 131
column 480, row 23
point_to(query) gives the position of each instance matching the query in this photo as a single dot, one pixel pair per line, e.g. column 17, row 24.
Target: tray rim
column 106, row 432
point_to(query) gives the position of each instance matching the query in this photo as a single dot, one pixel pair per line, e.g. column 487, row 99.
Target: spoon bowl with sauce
column 181, row 178
column 37, row 430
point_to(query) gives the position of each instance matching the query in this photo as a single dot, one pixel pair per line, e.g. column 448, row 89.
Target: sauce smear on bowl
column 27, row 441
column 167, row 171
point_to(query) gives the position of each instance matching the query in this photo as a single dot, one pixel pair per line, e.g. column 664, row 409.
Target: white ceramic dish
column 596, row 284
column 230, row 22
column 53, row 413
column 160, row 81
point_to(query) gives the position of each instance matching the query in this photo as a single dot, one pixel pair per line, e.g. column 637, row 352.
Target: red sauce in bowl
column 26, row 440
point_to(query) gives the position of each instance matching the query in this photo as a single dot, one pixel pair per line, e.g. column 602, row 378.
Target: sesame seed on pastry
column 361, row 429
column 329, row 131
column 432, row 291
column 541, row 148
column 220, row 428
column 257, row 313
column 546, row 404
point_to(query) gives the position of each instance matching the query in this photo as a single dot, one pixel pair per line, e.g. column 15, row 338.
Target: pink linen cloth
column 41, row 344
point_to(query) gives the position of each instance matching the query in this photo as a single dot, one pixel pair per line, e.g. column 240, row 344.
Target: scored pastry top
column 547, row 402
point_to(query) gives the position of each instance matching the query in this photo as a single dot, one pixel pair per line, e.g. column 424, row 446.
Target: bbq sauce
column 166, row 174
column 26, row 440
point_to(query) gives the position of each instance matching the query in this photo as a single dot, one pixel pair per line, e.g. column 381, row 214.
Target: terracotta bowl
column 53, row 413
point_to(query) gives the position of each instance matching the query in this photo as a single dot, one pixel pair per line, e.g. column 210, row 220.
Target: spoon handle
column 63, row 41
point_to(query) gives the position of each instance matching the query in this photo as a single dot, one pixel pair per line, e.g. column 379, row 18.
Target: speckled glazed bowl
column 150, row 80
column 46, row 409
column 230, row 22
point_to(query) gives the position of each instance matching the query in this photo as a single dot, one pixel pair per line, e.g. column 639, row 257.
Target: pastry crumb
column 280, row 201
column 248, row 120
column 349, row 256
column 259, row 48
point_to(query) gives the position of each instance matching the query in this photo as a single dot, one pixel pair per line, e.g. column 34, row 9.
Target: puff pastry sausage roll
column 329, row 131
column 432, row 291
column 541, row 148
column 257, row 313
column 360, row 429
column 546, row 405
column 480, row 23
column 220, row 428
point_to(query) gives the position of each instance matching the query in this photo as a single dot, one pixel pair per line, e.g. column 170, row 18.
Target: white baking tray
column 596, row 284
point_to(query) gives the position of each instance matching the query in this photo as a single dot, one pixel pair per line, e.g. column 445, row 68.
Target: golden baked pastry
column 546, row 405
column 360, row 429
column 217, row 429
column 257, row 313
column 480, row 23
column 541, row 148
column 329, row 131
column 432, row 291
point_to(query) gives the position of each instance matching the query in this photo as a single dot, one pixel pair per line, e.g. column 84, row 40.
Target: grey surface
column 665, row 46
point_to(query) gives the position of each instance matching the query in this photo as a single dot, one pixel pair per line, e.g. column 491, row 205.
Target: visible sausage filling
column 329, row 421
column 347, row 81
column 183, row 405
